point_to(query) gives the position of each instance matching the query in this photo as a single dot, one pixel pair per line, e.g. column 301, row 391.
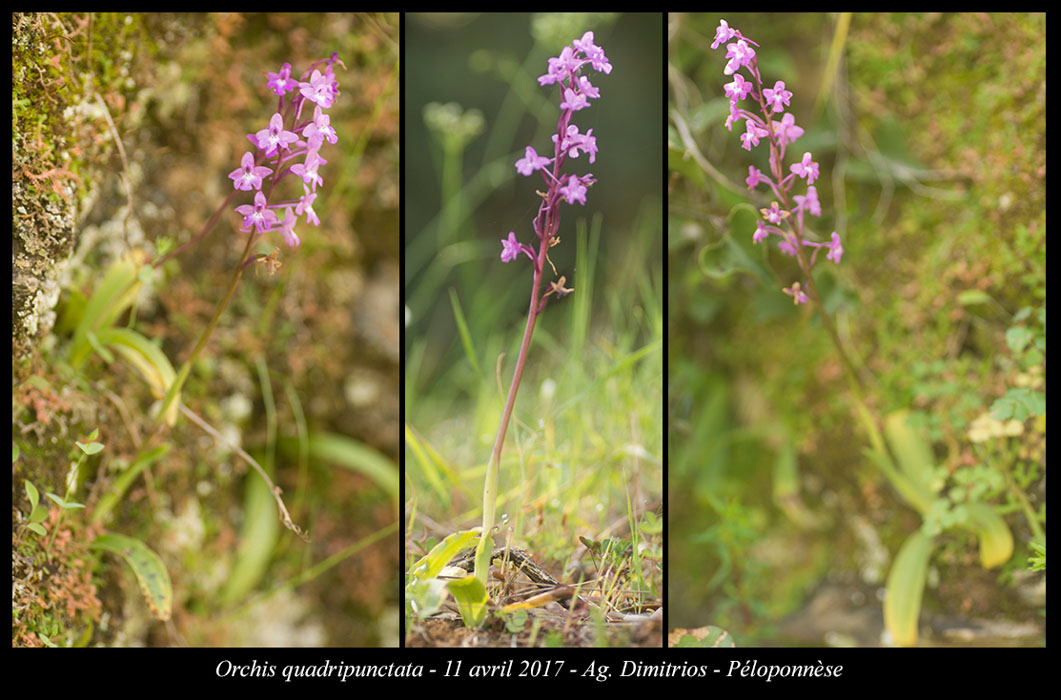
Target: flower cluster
column 291, row 144
column 780, row 129
column 568, row 142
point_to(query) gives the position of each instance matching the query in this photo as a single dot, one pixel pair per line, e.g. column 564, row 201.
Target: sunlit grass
column 589, row 408
column 584, row 452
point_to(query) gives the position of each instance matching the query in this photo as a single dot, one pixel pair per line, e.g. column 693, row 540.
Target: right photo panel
column 857, row 330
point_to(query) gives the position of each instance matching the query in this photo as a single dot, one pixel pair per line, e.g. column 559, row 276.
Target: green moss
column 961, row 115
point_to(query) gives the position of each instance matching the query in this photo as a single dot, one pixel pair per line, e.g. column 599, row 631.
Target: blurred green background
column 490, row 64
column 586, row 439
column 930, row 133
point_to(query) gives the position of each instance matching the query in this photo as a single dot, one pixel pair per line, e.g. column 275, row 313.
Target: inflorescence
column 780, row 129
column 568, row 142
column 290, row 137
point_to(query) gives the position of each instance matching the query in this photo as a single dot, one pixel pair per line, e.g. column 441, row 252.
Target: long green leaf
column 472, row 599
column 905, row 587
column 836, row 52
column 258, row 537
column 150, row 571
column 586, row 258
column 148, row 359
column 911, row 449
column 357, row 457
column 113, row 296
column 996, row 541
column 429, row 565
column 125, row 479
column 260, row 530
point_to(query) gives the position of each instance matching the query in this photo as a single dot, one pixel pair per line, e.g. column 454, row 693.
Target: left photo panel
column 206, row 416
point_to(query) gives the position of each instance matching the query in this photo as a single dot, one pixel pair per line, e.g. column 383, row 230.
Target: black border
column 764, row 669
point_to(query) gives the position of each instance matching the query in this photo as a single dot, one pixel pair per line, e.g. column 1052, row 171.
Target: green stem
column 182, row 375
column 485, row 546
column 62, row 509
column 206, row 229
column 1029, row 512
column 854, row 379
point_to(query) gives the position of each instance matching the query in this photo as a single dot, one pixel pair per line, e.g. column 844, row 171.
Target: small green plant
column 426, row 590
column 147, row 566
column 1037, row 562
column 914, row 475
column 38, row 513
column 1028, row 345
column 515, row 620
column 966, row 503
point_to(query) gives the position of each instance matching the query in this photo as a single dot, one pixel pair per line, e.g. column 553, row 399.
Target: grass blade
column 357, row 457
column 429, row 565
column 462, row 328
column 433, row 466
column 125, row 479
column 258, row 537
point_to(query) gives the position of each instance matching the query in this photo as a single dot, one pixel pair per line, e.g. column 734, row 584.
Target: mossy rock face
column 76, row 80
column 42, row 197
column 42, row 237
column 73, row 75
